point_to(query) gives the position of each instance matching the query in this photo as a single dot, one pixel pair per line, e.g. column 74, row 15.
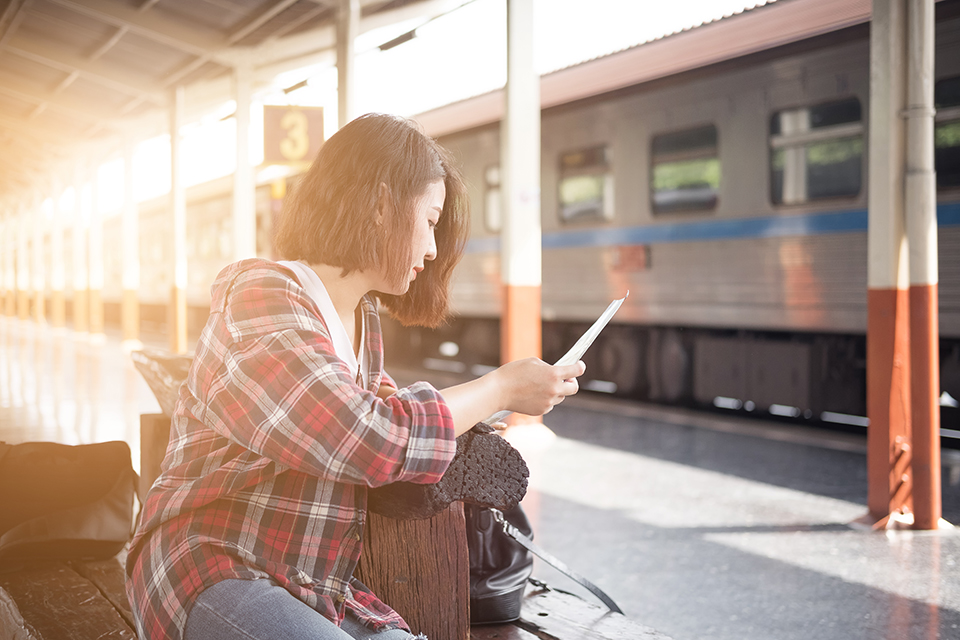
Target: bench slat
column 547, row 613
column 109, row 577
column 501, row 632
column 54, row 602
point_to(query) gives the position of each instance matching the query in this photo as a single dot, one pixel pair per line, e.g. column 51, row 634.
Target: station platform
column 701, row 526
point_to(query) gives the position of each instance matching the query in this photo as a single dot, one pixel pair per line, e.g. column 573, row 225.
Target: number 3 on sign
column 297, row 141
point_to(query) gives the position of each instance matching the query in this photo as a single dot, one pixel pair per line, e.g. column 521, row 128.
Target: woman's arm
column 529, row 386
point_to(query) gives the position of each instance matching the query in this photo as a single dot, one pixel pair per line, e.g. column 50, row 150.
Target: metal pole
column 888, row 341
column 520, row 161
column 177, row 313
column 921, row 215
column 348, row 27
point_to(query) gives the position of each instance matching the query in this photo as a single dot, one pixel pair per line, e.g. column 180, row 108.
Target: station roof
column 74, row 71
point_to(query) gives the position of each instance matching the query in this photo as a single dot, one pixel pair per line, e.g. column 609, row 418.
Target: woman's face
column 426, row 215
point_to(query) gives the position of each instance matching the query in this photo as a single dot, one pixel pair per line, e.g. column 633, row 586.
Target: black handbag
column 61, row 502
column 499, row 566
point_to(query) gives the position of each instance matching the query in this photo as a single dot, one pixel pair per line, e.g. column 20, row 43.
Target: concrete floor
column 700, row 526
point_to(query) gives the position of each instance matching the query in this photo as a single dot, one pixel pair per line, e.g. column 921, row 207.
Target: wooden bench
column 86, row 601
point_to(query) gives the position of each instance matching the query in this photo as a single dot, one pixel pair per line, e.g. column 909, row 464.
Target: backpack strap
column 553, row 561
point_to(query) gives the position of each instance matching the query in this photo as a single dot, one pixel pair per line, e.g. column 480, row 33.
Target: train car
column 731, row 201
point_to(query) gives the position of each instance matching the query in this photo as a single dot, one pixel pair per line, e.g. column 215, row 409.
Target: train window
column 491, row 199
column 946, row 136
column 816, row 152
column 586, row 185
column 686, row 170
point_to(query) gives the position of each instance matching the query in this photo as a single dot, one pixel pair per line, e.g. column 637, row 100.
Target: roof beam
column 12, row 15
column 109, row 44
column 259, row 21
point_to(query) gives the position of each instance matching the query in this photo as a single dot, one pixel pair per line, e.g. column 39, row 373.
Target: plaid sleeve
column 281, row 392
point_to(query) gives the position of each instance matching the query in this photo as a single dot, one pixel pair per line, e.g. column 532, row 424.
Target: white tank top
column 341, row 343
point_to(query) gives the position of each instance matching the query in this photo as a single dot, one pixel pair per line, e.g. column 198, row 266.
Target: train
column 730, row 200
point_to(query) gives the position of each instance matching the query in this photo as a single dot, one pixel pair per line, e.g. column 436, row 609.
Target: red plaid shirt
column 272, row 447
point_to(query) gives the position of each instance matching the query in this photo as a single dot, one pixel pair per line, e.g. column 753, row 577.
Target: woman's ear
column 384, row 203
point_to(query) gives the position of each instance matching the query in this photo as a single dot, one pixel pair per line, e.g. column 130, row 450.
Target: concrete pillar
column 130, row 251
column 177, row 310
column 81, row 216
column 348, row 28
column 520, row 170
column 244, row 189
column 62, row 212
column 95, row 257
column 23, row 262
column 38, row 271
column 921, row 223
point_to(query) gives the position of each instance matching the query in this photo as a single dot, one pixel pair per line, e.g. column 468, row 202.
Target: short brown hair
column 331, row 217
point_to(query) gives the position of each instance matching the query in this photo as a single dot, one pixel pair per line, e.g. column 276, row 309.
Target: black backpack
column 62, row 502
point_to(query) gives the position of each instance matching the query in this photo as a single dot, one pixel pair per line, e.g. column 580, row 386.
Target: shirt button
column 341, row 599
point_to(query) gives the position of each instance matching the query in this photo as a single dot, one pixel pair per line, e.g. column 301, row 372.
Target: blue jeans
column 262, row 610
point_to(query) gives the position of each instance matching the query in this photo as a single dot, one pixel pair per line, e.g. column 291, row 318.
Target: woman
column 254, row 527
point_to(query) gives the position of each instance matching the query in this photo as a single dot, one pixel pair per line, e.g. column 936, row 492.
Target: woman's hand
column 533, row 387
column 529, row 386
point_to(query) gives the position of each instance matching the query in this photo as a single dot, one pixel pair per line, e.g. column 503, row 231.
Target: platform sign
column 291, row 135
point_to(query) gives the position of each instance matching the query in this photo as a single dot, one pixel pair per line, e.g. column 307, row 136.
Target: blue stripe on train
column 804, row 224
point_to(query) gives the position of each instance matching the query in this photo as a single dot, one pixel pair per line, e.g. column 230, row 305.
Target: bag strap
column 553, row 561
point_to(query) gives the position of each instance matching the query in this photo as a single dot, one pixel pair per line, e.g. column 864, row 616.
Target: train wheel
column 620, row 360
column 668, row 365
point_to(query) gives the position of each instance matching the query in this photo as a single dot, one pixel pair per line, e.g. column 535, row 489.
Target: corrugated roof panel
column 145, row 56
column 205, row 71
column 72, row 33
column 15, row 107
column 30, row 71
column 94, row 97
column 222, row 16
column 293, row 17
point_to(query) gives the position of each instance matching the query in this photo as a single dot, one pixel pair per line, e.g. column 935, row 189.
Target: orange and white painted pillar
column 903, row 465
column 38, row 270
column 23, row 262
column 921, row 216
column 62, row 211
column 520, row 253
column 130, row 254
column 95, row 257
column 9, row 236
column 177, row 310
column 888, row 328
column 78, row 235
